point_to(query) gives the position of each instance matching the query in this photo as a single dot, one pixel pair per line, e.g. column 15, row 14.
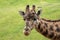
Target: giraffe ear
column 39, row 12
column 21, row 13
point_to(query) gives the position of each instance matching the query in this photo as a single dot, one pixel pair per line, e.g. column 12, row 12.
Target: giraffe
column 48, row 28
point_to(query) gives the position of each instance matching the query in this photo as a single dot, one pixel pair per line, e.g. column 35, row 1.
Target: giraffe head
column 30, row 16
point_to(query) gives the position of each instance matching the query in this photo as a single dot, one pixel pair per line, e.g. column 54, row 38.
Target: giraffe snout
column 26, row 31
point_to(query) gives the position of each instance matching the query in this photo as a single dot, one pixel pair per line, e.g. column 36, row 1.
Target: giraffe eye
column 24, row 19
column 34, row 19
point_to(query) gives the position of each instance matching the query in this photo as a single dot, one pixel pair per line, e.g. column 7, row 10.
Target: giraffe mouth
column 26, row 31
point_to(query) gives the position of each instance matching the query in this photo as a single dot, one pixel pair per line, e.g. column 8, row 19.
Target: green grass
column 12, row 24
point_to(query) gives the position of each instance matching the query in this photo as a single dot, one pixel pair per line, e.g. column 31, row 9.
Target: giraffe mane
column 51, row 20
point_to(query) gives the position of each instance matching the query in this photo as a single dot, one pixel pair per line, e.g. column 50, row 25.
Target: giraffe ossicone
column 48, row 28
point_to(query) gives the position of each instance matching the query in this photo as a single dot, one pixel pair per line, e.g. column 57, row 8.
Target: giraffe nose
column 26, row 33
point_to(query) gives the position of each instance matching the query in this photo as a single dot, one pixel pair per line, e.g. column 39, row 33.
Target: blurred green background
column 12, row 24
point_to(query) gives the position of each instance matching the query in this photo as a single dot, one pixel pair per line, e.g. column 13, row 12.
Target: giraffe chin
column 26, row 33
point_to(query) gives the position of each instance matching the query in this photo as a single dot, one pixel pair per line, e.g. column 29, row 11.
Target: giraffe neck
column 49, row 29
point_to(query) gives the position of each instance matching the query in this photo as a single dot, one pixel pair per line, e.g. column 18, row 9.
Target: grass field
column 12, row 24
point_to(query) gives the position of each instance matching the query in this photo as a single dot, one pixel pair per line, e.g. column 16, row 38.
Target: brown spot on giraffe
column 57, row 29
column 46, row 25
column 45, row 32
column 51, row 34
column 51, row 28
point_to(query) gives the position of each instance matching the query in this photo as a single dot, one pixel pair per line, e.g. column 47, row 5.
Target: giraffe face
column 29, row 17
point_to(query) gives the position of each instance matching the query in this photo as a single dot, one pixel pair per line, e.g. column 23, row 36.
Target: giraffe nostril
column 33, row 13
column 27, row 29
